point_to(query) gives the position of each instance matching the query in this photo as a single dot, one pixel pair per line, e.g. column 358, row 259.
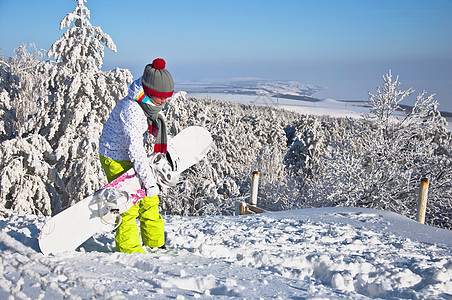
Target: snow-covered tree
column 75, row 98
column 307, row 145
column 81, row 99
column 380, row 160
column 80, row 48
column 28, row 181
column 386, row 101
column 247, row 138
column 23, row 89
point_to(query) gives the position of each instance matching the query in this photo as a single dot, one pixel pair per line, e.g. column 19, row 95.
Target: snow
column 290, row 95
column 251, row 86
column 320, row 253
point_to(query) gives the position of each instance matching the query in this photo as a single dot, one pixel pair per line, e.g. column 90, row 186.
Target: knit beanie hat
column 157, row 81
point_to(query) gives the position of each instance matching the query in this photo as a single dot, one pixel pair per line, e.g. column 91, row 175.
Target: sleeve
column 135, row 126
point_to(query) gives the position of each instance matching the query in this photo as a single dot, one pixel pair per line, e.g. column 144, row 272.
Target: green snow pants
column 146, row 210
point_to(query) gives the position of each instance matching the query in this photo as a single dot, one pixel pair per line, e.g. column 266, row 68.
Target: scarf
column 157, row 124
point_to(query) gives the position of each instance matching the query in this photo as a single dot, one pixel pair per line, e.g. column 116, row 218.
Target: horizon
column 344, row 46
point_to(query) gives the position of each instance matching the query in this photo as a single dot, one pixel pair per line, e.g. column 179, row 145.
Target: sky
column 344, row 45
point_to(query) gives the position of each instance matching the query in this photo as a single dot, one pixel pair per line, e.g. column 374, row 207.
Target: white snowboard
column 73, row 226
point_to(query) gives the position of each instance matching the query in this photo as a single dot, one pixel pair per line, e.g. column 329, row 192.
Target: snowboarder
column 123, row 145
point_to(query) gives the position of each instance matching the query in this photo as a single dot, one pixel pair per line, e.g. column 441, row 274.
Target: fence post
column 242, row 208
column 422, row 200
column 254, row 188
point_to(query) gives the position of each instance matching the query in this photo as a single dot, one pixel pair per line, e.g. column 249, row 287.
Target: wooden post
column 422, row 200
column 247, row 209
column 254, row 188
column 242, row 206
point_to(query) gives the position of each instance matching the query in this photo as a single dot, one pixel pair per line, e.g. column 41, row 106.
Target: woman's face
column 158, row 100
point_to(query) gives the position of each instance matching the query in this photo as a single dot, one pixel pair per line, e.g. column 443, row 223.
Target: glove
column 152, row 191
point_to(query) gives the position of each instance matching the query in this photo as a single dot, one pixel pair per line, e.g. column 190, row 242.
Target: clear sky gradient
column 345, row 45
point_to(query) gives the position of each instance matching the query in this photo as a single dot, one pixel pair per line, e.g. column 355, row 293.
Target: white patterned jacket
column 123, row 136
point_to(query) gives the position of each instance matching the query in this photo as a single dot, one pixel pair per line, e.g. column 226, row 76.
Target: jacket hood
column 135, row 89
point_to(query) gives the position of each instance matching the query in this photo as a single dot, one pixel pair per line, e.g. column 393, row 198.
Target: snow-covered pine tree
column 25, row 176
column 77, row 101
column 82, row 98
column 307, row 145
column 80, row 48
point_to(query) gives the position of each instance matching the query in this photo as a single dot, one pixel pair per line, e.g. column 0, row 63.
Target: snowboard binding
column 111, row 204
column 164, row 172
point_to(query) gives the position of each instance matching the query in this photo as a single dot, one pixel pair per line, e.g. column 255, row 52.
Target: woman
column 122, row 146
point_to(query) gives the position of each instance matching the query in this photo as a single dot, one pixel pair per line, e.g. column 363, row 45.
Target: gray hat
column 157, row 81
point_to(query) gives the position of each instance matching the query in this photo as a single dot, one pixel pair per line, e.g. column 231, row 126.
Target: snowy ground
column 329, row 253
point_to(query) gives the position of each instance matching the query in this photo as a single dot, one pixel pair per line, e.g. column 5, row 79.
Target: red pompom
column 159, row 63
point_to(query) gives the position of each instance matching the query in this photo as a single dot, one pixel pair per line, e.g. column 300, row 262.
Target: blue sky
column 346, row 45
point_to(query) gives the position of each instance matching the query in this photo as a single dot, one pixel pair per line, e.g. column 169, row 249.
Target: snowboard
column 73, row 226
